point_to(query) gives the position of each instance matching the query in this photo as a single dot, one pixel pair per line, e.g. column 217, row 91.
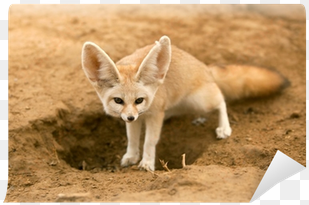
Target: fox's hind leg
column 224, row 130
column 207, row 98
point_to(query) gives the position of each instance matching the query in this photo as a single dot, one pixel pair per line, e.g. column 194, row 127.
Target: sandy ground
column 57, row 126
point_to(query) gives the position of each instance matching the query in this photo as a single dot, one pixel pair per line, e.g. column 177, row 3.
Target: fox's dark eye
column 118, row 100
column 139, row 100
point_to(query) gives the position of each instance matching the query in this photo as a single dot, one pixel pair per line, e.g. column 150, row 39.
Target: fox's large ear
column 98, row 66
column 155, row 65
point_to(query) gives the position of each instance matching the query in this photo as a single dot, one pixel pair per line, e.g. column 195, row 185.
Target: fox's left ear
column 155, row 65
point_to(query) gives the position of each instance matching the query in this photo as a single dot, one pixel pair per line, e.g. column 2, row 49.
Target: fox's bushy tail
column 239, row 81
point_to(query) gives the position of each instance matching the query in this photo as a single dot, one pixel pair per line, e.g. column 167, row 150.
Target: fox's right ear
column 98, row 66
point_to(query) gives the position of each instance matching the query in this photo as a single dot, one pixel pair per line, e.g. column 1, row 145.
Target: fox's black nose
column 130, row 118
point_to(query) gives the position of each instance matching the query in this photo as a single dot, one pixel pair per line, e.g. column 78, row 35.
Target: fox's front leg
column 153, row 129
column 133, row 133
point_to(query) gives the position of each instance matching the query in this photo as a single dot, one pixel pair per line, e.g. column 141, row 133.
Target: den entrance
column 98, row 142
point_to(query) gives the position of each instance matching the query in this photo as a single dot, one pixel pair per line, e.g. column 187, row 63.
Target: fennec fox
column 161, row 80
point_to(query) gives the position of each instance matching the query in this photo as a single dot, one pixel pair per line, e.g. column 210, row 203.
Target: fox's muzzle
column 128, row 118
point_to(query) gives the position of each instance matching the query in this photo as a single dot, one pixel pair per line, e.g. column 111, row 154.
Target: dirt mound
column 177, row 185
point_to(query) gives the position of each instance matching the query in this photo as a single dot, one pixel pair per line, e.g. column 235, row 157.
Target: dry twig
column 73, row 197
column 56, row 154
column 164, row 165
column 183, row 160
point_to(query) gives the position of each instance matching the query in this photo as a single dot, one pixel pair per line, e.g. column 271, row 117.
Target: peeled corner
column 280, row 168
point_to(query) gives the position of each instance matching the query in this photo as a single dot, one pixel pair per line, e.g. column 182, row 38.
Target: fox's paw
column 148, row 165
column 129, row 159
column 223, row 132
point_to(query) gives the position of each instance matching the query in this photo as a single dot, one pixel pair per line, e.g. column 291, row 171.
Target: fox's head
column 127, row 88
